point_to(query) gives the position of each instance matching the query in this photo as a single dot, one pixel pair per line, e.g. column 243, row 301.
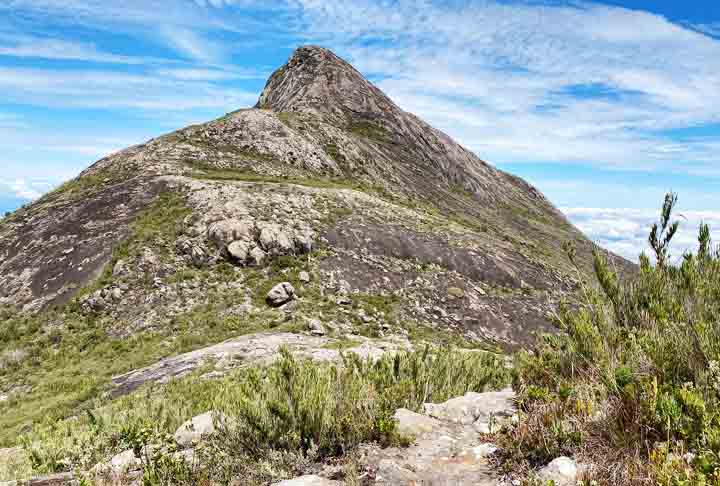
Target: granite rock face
column 317, row 118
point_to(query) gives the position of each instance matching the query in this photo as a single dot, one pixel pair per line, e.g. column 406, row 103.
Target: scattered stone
column 196, row 429
column 563, row 471
column 304, row 277
column 120, row 269
column 316, row 328
column 280, row 294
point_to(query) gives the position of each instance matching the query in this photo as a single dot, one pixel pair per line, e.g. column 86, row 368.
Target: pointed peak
column 316, row 80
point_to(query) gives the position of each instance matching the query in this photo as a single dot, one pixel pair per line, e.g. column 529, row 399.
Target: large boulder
column 281, row 294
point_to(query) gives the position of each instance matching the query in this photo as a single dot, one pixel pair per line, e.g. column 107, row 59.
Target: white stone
column 195, row 429
column 563, row 471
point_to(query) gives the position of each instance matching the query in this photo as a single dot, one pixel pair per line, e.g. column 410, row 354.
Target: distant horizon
column 604, row 106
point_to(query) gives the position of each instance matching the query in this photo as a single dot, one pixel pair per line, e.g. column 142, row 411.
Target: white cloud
column 24, row 189
column 625, row 231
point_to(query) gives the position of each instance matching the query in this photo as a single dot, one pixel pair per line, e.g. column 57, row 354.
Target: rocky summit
column 325, row 218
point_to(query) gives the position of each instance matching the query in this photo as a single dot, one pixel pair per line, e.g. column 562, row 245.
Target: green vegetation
column 371, row 131
column 278, row 418
column 633, row 382
column 61, row 360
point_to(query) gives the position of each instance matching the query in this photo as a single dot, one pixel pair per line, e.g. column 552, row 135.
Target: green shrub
column 642, row 353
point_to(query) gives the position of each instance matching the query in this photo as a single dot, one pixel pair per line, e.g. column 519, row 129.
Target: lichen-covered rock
column 280, row 294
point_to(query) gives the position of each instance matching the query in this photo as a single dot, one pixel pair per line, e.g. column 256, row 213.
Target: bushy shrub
column 632, row 383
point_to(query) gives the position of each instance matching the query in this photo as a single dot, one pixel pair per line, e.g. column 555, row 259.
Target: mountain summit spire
column 315, row 80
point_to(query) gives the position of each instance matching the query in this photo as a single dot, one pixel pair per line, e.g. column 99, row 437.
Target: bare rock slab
column 309, row 481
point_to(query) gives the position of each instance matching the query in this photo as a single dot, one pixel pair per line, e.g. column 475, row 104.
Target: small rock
column 456, row 292
column 120, row 268
column 304, row 277
column 484, row 450
column 195, row 429
column 562, row 471
column 344, row 300
column 257, row 256
column 309, row 481
column 280, row 294
column 316, row 328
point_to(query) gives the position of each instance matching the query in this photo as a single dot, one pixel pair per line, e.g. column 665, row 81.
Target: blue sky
column 602, row 105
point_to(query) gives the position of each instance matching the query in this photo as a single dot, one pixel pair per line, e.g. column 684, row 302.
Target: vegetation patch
column 280, row 418
column 371, row 131
column 632, row 384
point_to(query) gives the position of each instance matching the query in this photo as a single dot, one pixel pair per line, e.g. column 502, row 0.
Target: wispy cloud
column 25, row 46
column 108, row 90
column 192, row 45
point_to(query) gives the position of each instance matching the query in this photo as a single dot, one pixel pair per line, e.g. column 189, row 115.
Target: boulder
column 224, row 232
column 479, row 409
column 240, row 251
column 304, row 241
column 280, row 294
column 309, row 481
column 562, row 471
column 195, row 429
column 275, row 240
column 304, row 277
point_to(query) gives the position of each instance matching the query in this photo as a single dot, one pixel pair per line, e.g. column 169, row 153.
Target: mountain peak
column 318, row 81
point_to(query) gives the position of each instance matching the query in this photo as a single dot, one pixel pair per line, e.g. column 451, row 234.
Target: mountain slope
column 385, row 227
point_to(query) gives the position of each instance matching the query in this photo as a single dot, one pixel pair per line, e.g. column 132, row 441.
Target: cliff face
column 326, row 160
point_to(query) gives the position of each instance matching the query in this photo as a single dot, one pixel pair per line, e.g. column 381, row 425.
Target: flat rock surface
column 250, row 349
